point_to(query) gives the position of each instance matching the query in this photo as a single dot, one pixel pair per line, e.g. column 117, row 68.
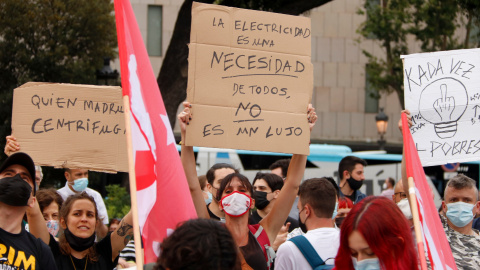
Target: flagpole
column 133, row 186
column 416, row 223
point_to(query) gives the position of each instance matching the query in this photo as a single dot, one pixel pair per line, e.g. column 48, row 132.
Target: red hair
column 344, row 202
column 386, row 231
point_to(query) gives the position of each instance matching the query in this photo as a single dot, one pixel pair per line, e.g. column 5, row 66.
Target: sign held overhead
column 250, row 80
column 71, row 126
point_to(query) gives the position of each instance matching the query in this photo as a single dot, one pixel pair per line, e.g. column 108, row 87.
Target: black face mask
column 79, row 243
column 339, row 221
column 15, row 191
column 354, row 184
column 302, row 225
column 261, row 200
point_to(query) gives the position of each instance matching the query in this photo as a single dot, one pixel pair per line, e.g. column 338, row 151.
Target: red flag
column 436, row 243
column 163, row 195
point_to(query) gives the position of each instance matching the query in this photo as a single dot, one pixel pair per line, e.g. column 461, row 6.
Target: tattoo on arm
column 127, row 239
column 124, row 228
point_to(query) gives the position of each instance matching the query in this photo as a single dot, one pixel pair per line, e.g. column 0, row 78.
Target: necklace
column 86, row 262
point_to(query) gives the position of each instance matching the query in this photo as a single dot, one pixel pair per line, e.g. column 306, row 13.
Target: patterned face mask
column 53, row 227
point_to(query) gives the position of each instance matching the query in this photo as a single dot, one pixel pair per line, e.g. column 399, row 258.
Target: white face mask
column 405, row 208
column 384, row 185
column 236, row 204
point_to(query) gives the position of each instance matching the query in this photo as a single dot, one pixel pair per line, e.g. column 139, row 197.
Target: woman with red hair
column 376, row 235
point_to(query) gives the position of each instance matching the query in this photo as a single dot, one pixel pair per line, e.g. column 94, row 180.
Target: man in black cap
column 18, row 248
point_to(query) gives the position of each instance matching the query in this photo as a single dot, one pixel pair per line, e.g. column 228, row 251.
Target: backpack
column 263, row 242
column 308, row 251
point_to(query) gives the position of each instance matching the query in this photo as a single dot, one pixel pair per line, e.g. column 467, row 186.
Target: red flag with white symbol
column 436, row 243
column 163, row 196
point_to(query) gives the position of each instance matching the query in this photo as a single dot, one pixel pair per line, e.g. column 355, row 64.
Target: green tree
column 117, row 201
column 432, row 22
column 51, row 41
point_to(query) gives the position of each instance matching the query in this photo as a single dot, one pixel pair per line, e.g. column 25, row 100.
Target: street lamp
column 382, row 123
column 106, row 73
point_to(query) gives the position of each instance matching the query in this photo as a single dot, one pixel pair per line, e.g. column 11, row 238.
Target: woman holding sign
column 235, row 197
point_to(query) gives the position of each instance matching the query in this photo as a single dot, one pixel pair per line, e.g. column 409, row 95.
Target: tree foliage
column 117, row 202
column 433, row 23
column 51, row 41
column 173, row 76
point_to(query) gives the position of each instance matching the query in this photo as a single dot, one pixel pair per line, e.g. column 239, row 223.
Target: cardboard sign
column 250, row 80
column 71, row 126
column 442, row 92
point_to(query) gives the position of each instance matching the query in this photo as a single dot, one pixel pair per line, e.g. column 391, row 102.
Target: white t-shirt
column 65, row 192
column 325, row 241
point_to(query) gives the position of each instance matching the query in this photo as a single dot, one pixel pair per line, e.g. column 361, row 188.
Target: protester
column 375, row 235
column 50, row 203
column 76, row 248
column 214, row 176
column 317, row 207
column 77, row 181
column 460, row 205
column 114, row 223
column 38, row 176
column 350, row 169
column 400, row 198
column 266, row 187
column 207, row 196
column 344, row 207
column 388, row 188
column 280, row 167
column 235, row 200
column 199, row 244
column 16, row 185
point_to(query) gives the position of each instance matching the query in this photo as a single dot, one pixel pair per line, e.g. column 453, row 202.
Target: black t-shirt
column 28, row 252
column 253, row 254
column 255, row 219
column 103, row 249
column 211, row 214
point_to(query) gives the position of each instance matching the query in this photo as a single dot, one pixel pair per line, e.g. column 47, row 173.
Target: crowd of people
column 274, row 221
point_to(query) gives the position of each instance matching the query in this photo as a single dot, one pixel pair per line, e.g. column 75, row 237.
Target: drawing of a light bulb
column 442, row 103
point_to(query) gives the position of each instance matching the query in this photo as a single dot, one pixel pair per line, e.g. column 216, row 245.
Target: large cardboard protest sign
column 250, row 80
column 442, row 92
column 71, row 126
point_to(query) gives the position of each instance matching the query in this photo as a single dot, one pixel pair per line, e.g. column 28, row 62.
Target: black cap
column 23, row 159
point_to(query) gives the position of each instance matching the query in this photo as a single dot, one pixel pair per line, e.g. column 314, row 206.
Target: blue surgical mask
column 460, row 213
column 209, row 199
column 335, row 211
column 367, row 264
column 80, row 184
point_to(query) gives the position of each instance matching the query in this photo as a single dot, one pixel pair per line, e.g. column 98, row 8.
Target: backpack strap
column 307, row 250
column 264, row 243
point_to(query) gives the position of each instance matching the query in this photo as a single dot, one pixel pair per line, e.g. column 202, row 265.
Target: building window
column 154, row 30
column 372, row 6
column 371, row 96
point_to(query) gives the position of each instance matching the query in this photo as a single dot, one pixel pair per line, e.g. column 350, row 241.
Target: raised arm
column 120, row 237
column 189, row 165
column 36, row 223
column 273, row 222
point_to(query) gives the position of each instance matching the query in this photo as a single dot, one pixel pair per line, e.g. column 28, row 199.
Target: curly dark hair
column 199, row 244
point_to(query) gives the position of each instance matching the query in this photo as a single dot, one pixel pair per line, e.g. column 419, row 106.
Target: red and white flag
column 436, row 243
column 163, row 196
